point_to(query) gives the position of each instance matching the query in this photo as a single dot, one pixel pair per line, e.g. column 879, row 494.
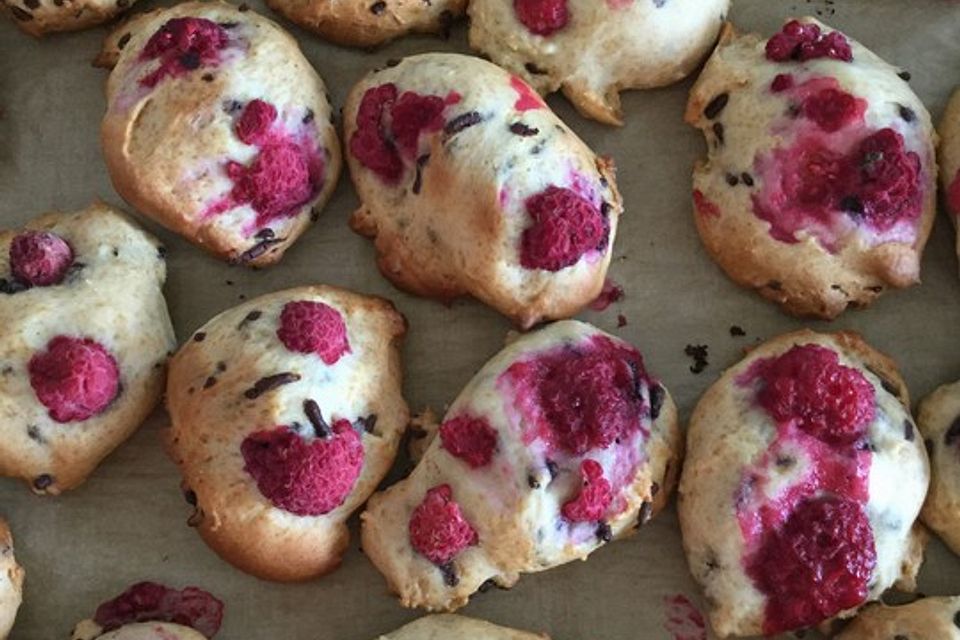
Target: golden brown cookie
column 925, row 619
column 939, row 422
column 449, row 626
column 40, row 17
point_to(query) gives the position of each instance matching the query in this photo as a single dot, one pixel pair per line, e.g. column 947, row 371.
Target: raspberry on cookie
column 819, row 189
column 85, row 339
column 592, row 50
column 218, row 128
column 286, row 413
column 448, row 626
column 561, row 443
column 938, row 419
column 470, row 185
column 787, row 503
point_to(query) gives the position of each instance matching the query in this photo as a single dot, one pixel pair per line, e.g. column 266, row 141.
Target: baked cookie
column 11, row 581
column 950, row 158
column 286, row 413
column 218, row 128
column 819, row 189
column 594, row 50
column 447, row 626
column 924, row 619
column 803, row 478
column 560, row 443
column 84, row 339
column 40, row 17
column 367, row 23
column 469, row 184
column 939, row 422
column 151, row 611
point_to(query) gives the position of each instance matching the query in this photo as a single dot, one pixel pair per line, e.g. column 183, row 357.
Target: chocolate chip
column 250, row 317
column 449, row 572
column 209, row 382
column 418, row 176
column 521, row 129
column 534, row 70
column 162, row 252
column 746, row 178
column 604, row 532
column 784, row 462
column 654, row 488
column 715, row 106
column 645, row 513
column 367, row 424
column 190, row 60
column 269, row 383
column 33, row 432
column 11, row 287
column 732, row 180
column 699, row 354
column 320, row 427
column 20, row 14
column 308, row 118
column 256, row 251
column 264, row 234
column 42, row 481
column 488, row 584
column 232, row 106
column 207, row 77
column 908, row 114
column 852, row 204
column 905, row 76
column 553, row 468
column 657, row 394
column 461, row 122
column 377, row 8
column 956, row 619
column 718, row 132
column 221, row 366
column 199, row 336
column 190, row 496
column 737, row 331
column 953, row 433
column 229, row 25
column 532, row 481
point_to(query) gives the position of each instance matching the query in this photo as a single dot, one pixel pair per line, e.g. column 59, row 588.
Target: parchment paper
column 127, row 523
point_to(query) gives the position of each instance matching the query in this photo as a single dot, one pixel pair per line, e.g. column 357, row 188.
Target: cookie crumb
column 699, row 354
column 736, row 331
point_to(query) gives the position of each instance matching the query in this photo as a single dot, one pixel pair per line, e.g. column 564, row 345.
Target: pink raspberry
column 802, row 42
column 412, row 115
column 830, row 401
column 595, row 495
column 305, row 478
column 817, row 565
column 833, row 109
column 255, row 121
column 471, row 439
column 890, row 176
column 182, row 45
column 40, row 258
column 438, row 530
column 542, row 17
column 565, row 226
column 152, row 602
column 782, row 82
column 313, row 327
column 75, row 378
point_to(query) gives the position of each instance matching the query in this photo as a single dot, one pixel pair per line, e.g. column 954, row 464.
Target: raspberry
column 313, row 327
column 565, row 226
column 471, row 439
column 595, row 495
column 889, row 188
column 40, row 258
column 527, row 98
column 802, row 42
column 831, row 402
column 438, row 530
column 152, row 602
column 305, row 478
column 412, row 115
column 542, row 17
column 818, row 564
column 182, row 45
column 255, row 121
column 704, row 205
column 782, row 82
column 75, row 378
column 583, row 398
column 833, row 109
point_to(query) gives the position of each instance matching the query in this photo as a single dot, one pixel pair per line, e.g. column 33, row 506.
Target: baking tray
column 128, row 522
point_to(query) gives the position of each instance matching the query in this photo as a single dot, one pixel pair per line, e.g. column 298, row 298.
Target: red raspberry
column 831, row 402
column 413, row 114
column 305, row 478
column 152, row 602
column 833, row 109
column 802, row 42
column 369, row 143
column 471, row 439
column 782, row 82
column 595, row 495
column 889, row 188
column 75, row 378
column 542, row 17
column 817, row 565
column 438, row 530
column 255, row 121
column 704, row 205
column 183, row 44
column 313, row 327
column 40, row 258
column 565, row 226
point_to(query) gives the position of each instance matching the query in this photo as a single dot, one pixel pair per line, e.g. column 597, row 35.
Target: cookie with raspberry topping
column 533, row 241
column 938, row 420
column 237, row 151
column 818, row 190
column 561, row 443
column 454, row 626
column 785, row 518
column 286, row 412
column 84, row 340
column 591, row 51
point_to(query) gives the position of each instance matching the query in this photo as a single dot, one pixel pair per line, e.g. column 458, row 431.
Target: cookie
column 40, row 17
column 925, row 619
column 286, row 413
column 11, row 581
column 368, row 23
column 803, row 478
column 469, row 184
column 594, row 50
column 446, row 626
column 219, row 129
column 561, row 443
column 151, row 611
column 949, row 151
column 83, row 345
column 819, row 189
column 939, row 422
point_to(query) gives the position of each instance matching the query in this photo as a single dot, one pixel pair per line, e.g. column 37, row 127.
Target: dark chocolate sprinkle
column 646, row 511
column 449, row 572
column 907, row 113
column 250, row 317
column 521, row 129
column 657, row 394
column 908, row 431
column 312, row 410
column 207, row 77
column 191, row 497
column 20, row 14
column 308, row 117
column 232, row 106
column 715, row 106
column 378, row 7
column 11, row 287
column 256, row 250
column 221, row 366
column 368, row 423
column 534, row 70
column 783, row 461
column 229, row 25
column 699, row 354
column 190, row 60
column 33, row 432
column 209, row 382
column 956, row 619
column 264, row 234
column 162, row 252
column 737, row 331
column 269, row 383
column 418, row 176
column 42, row 481
column 553, row 468
column 852, row 204
column 654, row 488
column 461, row 122
column 905, row 76
column 732, row 180
column 35, row 4
column 746, row 178
column 199, row 336
column 953, row 433
column 604, row 532
column 532, row 481
column 718, row 131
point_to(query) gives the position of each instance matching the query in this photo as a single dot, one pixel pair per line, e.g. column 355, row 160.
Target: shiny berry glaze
column 183, row 45
column 74, row 378
column 40, row 258
column 471, row 439
column 152, row 602
column 564, row 226
column 438, row 530
column 313, row 327
column 800, row 42
column 595, row 495
column 542, row 17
